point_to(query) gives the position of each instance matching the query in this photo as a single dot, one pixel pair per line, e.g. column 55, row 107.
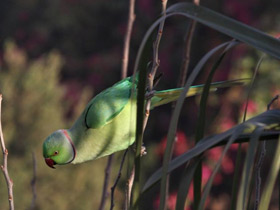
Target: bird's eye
column 55, row 153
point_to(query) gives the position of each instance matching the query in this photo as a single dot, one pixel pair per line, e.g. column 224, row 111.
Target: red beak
column 50, row 162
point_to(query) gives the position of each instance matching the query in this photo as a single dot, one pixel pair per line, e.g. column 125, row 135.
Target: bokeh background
column 55, row 55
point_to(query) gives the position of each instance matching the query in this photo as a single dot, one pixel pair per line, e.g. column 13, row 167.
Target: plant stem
column 117, row 180
column 4, row 167
column 129, row 188
column 130, row 21
column 139, row 134
column 181, row 83
column 155, row 65
column 106, row 183
column 33, row 182
column 186, row 55
column 139, row 137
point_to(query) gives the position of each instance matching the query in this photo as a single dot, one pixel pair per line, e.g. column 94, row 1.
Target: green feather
column 167, row 96
column 108, row 104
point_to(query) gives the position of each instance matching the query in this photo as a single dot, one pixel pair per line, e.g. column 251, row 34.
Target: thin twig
column 129, row 188
column 130, row 21
column 131, row 18
column 183, row 72
column 33, row 182
column 182, row 81
column 260, row 163
column 186, row 55
column 251, row 87
column 155, row 65
column 272, row 101
column 258, row 175
column 238, row 157
column 151, row 77
column 117, row 180
column 106, row 182
column 4, row 167
column 187, row 52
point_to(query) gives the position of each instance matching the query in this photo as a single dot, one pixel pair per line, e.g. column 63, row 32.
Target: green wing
column 103, row 108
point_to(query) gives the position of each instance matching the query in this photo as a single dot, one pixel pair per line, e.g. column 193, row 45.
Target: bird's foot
column 143, row 151
column 150, row 94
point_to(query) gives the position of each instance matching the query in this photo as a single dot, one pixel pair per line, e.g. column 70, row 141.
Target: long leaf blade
column 201, row 121
column 174, row 121
column 233, row 201
column 269, row 185
column 185, row 183
column 207, row 188
column 270, row 118
column 228, row 26
column 248, row 169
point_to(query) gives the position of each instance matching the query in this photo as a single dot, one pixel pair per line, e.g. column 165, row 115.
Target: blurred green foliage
column 33, row 107
column 32, row 98
column 266, row 84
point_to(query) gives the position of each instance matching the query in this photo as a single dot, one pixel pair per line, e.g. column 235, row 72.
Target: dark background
column 57, row 54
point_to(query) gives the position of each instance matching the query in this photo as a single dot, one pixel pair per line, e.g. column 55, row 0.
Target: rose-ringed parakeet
column 107, row 124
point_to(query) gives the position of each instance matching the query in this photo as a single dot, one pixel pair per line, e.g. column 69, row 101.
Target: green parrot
column 108, row 123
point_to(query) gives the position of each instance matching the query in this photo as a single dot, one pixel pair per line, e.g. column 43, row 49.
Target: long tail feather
column 167, row 96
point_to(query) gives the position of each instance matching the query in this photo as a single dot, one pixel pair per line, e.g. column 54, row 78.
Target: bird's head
column 59, row 149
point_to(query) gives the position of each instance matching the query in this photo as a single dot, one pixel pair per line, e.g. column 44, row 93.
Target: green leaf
column 185, row 183
column 271, row 178
column 143, row 60
column 208, row 185
column 248, row 169
column 233, row 201
column 175, row 117
column 201, row 121
column 228, row 26
column 270, row 118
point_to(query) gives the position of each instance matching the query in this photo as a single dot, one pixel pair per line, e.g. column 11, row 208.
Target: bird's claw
column 143, row 151
column 150, row 94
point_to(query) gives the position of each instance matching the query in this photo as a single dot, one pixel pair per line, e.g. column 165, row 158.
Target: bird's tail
column 166, row 96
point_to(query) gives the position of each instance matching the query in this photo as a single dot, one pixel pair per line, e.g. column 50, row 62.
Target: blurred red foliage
column 181, row 144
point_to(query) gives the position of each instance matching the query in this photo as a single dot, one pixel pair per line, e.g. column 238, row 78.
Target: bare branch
column 155, row 65
column 260, row 162
column 117, row 180
column 187, row 52
column 272, row 101
column 258, row 174
column 106, row 183
column 33, row 182
column 131, row 18
column 129, row 188
column 4, row 167
column 186, row 55
column 182, row 80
